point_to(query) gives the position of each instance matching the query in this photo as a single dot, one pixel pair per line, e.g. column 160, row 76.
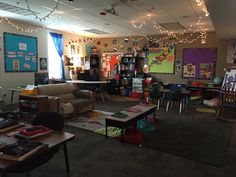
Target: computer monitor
column 41, row 78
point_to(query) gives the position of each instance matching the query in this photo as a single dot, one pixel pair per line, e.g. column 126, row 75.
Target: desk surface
column 53, row 140
column 132, row 115
column 169, row 90
column 87, row 82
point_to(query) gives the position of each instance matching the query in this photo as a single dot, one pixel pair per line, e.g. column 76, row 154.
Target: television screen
column 41, row 78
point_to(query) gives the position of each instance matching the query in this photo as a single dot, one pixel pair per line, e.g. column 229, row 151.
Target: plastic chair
column 176, row 94
column 155, row 94
column 52, row 120
column 227, row 98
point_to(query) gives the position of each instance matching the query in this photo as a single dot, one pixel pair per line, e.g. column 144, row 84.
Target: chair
column 155, row 94
column 52, row 120
column 227, row 98
column 176, row 94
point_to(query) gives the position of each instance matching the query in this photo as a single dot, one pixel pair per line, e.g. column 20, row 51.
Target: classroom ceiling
column 112, row 18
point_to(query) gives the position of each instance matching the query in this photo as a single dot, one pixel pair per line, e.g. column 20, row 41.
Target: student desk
column 53, row 140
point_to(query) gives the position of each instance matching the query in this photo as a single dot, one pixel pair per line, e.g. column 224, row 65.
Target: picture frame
column 43, row 63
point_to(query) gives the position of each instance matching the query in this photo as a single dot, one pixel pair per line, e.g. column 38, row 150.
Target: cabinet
column 33, row 104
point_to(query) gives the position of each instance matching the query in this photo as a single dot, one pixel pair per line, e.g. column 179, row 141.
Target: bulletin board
column 20, row 53
column 199, row 63
column 161, row 60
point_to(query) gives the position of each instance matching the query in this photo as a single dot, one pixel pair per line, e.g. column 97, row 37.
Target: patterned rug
column 92, row 120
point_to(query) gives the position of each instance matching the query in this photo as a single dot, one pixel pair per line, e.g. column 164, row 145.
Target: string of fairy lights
column 189, row 35
column 23, row 29
column 195, row 31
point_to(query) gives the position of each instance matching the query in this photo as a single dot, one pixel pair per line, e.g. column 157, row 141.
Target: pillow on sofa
column 76, row 92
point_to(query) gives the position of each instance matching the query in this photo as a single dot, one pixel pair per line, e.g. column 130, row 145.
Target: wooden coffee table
column 131, row 118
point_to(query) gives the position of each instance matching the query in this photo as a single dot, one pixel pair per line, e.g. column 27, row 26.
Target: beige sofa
column 67, row 99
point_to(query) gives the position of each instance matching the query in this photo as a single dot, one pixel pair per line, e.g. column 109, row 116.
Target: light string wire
column 46, row 16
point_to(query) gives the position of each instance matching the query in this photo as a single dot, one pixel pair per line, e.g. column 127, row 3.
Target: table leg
column 66, row 158
column 106, row 130
column 12, row 94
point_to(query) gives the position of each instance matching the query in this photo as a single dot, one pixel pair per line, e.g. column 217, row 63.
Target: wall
column 211, row 42
column 12, row 80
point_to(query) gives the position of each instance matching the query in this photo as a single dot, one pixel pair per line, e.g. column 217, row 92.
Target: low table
column 131, row 118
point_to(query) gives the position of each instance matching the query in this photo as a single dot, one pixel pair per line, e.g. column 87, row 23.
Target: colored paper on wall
column 161, row 60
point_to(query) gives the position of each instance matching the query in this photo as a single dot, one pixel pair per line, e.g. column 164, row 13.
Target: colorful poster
column 206, row 71
column 189, row 70
column 161, row 60
column 109, row 63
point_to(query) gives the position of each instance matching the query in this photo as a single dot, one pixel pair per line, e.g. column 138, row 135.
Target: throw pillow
column 76, row 93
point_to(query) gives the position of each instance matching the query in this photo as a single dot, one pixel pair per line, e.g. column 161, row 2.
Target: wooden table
column 13, row 90
column 131, row 118
column 53, row 140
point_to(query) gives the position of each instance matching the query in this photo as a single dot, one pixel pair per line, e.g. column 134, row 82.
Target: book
column 133, row 109
column 33, row 132
column 11, row 127
column 21, row 150
column 119, row 114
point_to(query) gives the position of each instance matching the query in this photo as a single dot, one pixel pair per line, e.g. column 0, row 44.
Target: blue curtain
column 58, row 41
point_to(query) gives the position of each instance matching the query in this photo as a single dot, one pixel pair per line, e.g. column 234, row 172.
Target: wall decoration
column 43, row 64
column 230, row 75
column 178, row 67
column 161, row 60
column 231, row 52
column 204, row 60
column 189, row 70
column 114, row 41
column 20, row 53
column 109, row 63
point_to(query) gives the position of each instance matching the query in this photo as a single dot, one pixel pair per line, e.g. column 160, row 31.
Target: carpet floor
column 200, row 140
column 91, row 155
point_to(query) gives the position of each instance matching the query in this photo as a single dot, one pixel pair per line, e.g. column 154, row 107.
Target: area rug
column 92, row 120
column 198, row 140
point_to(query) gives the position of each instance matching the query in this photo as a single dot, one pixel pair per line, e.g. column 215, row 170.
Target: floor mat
column 92, row 120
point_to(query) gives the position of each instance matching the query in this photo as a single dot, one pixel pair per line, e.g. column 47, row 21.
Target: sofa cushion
column 56, row 89
column 65, row 98
column 81, row 105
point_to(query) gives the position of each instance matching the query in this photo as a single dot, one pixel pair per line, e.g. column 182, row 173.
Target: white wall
column 15, row 79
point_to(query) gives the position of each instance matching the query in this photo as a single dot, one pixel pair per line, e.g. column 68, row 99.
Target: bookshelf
column 127, row 72
column 33, row 104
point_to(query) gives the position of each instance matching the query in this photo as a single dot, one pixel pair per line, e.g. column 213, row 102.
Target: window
column 55, row 51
